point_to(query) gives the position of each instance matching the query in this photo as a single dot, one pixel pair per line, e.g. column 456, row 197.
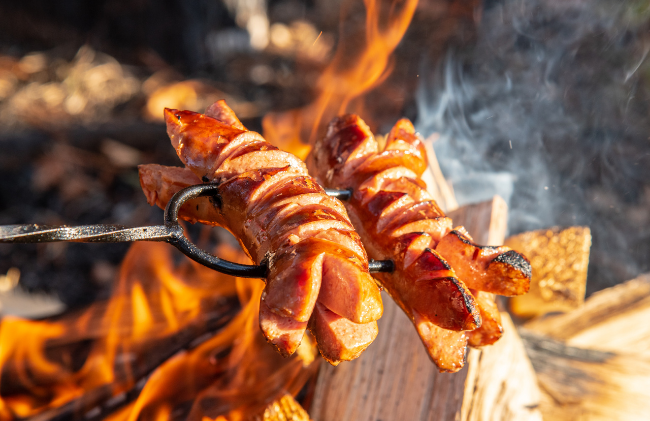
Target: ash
column 549, row 109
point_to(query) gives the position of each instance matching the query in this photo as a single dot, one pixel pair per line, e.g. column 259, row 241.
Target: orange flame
column 73, row 362
column 83, row 359
column 350, row 75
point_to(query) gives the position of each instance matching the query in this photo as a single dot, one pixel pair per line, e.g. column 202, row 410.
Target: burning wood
column 285, row 409
column 144, row 339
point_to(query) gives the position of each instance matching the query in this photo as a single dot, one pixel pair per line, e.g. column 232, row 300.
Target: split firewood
column 442, row 192
column 487, row 221
column 582, row 383
column 594, row 362
column 501, row 383
column 559, row 258
column 605, row 321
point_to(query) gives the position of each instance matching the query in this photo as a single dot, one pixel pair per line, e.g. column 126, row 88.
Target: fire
column 141, row 339
column 351, row 73
column 70, row 365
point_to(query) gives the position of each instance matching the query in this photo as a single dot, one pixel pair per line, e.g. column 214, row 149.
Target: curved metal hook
column 182, row 243
column 178, row 239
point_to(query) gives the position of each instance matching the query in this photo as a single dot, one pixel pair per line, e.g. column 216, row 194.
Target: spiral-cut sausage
column 491, row 328
column 283, row 217
column 397, row 219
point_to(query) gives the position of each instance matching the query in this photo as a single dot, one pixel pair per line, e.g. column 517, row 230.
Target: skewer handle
column 172, row 232
column 34, row 233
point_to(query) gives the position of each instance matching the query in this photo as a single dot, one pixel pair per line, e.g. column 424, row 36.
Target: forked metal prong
column 339, row 194
column 172, row 232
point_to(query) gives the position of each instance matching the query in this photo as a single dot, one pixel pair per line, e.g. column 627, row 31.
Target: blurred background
column 543, row 102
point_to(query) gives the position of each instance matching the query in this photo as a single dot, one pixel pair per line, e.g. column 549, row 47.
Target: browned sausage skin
column 491, row 329
column 398, row 219
column 282, row 217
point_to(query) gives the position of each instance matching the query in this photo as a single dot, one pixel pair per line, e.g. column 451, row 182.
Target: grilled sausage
column 398, row 219
column 491, row 329
column 281, row 217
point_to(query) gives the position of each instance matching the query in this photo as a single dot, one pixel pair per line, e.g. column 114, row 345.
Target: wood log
column 486, row 221
column 437, row 185
column 594, row 362
column 588, row 384
column 614, row 319
column 560, row 259
column 394, row 378
column 501, row 383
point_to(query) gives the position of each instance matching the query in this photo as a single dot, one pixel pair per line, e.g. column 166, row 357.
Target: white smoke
column 549, row 109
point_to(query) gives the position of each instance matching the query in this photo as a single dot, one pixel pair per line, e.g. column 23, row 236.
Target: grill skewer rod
column 170, row 232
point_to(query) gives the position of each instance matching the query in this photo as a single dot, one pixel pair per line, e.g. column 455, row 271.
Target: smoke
column 550, row 109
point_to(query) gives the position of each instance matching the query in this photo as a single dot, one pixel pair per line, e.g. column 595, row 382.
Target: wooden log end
column 559, row 258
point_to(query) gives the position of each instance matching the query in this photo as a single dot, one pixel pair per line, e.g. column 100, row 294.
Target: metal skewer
column 171, row 232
